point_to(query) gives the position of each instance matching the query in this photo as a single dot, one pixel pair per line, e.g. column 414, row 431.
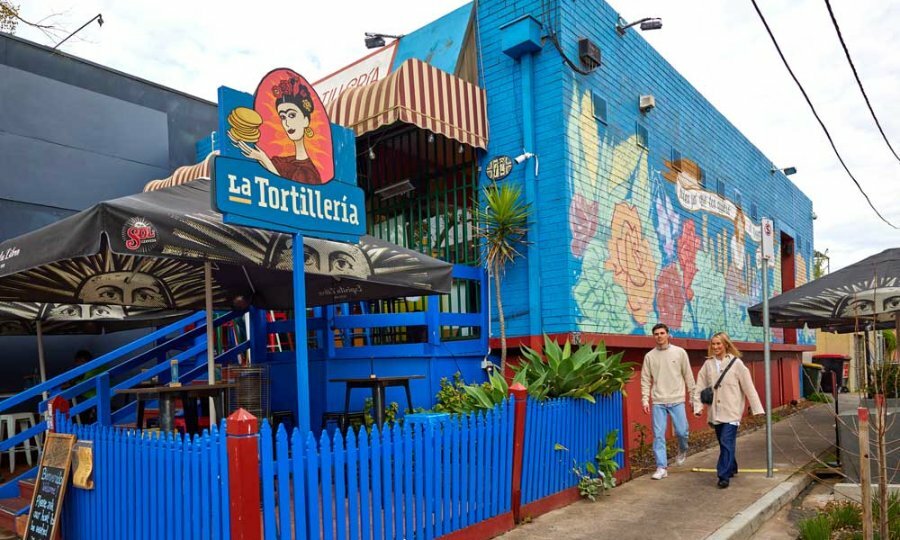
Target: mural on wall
column 652, row 245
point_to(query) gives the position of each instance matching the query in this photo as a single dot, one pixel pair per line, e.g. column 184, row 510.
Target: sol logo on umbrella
column 139, row 235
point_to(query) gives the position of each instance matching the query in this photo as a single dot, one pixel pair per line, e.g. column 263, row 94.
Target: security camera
column 522, row 157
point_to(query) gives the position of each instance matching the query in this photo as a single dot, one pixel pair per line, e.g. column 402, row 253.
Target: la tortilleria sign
column 277, row 163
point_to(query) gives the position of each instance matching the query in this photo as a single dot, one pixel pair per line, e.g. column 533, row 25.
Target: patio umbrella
column 151, row 249
column 167, row 249
column 866, row 292
column 28, row 318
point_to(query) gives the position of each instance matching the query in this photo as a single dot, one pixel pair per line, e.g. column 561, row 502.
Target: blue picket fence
column 577, row 425
column 416, row 481
column 150, row 486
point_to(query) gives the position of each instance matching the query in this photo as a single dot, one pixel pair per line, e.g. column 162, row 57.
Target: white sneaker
column 660, row 474
column 680, row 457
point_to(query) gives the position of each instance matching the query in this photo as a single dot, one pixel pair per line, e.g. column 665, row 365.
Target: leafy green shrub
column 819, row 397
column 460, row 398
column 606, row 459
column 595, row 477
column 581, row 374
column 886, row 378
column 452, row 397
column 489, row 394
column 893, row 514
column 390, row 414
column 844, row 515
column 815, row 528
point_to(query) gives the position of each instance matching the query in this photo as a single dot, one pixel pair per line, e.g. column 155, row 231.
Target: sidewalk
column 688, row 505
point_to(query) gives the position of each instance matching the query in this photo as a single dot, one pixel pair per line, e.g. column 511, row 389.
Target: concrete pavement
column 688, row 505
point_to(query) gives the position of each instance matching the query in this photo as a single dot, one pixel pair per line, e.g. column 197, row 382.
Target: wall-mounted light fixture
column 371, row 154
column 375, row 40
column 787, row 171
column 647, row 23
column 395, row 190
column 98, row 17
column 525, row 156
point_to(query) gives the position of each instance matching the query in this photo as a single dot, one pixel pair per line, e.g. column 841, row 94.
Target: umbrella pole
column 41, row 363
column 210, row 339
column 300, row 341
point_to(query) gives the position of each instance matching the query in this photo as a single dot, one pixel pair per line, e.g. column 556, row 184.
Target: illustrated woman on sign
column 287, row 131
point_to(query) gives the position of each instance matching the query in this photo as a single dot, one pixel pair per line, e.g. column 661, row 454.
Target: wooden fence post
column 864, row 472
column 519, row 393
column 60, row 405
column 243, row 475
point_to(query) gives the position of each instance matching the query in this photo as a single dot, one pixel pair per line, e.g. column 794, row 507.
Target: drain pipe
column 521, row 39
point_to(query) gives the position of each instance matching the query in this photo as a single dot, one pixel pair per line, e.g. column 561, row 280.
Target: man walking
column 666, row 376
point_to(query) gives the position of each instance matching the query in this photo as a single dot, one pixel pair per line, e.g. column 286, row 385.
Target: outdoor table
column 189, row 396
column 378, row 386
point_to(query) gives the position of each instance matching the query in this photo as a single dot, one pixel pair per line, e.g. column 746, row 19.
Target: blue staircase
column 126, row 367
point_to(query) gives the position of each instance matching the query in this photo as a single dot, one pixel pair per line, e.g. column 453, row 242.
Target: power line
column 816, row 114
column 859, row 82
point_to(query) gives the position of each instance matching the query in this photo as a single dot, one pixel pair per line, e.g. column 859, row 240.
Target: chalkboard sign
column 50, row 487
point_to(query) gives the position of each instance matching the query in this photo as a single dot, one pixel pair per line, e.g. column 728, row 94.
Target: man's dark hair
column 84, row 354
column 657, row 326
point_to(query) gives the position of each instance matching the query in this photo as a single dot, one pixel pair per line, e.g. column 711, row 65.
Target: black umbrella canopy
column 844, row 301
column 21, row 318
column 148, row 250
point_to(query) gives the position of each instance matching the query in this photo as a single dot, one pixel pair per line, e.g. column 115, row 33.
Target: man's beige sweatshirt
column 668, row 372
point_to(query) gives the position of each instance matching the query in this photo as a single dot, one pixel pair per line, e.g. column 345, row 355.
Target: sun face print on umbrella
column 113, row 280
column 287, row 131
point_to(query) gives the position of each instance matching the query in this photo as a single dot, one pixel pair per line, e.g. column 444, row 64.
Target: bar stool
column 11, row 423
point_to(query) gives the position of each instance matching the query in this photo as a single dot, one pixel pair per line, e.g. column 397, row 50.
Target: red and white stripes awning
column 183, row 175
column 420, row 94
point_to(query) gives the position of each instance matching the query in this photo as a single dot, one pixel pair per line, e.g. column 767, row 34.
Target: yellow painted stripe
column 241, row 200
column 701, row 469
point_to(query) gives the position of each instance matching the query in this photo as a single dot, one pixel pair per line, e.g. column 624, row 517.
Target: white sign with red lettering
column 366, row 70
column 768, row 239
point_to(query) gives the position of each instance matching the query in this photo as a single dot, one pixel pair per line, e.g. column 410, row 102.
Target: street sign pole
column 768, row 254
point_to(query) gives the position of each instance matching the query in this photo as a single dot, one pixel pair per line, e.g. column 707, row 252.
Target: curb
column 749, row 520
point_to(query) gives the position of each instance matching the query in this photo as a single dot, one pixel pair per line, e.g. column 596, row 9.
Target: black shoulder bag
column 706, row 395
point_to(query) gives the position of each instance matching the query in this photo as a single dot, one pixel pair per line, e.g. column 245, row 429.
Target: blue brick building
column 641, row 216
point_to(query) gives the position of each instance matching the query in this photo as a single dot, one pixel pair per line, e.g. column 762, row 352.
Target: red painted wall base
column 488, row 528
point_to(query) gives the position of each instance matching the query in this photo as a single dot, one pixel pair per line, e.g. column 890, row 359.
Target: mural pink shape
column 688, row 246
column 670, row 297
column 632, row 261
column 583, row 222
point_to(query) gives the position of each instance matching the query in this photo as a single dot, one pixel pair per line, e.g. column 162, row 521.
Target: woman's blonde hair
column 726, row 341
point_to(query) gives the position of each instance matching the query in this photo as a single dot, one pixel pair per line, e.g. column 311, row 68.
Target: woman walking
column 732, row 387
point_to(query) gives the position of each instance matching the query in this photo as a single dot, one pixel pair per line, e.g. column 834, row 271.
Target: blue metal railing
column 188, row 343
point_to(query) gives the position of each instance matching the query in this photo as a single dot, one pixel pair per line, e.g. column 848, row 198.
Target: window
column 799, row 244
column 737, row 199
column 599, row 106
column 701, row 176
column 676, row 159
column 643, row 138
column 720, row 187
column 754, row 211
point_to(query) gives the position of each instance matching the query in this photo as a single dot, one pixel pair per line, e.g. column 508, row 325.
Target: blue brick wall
column 627, row 236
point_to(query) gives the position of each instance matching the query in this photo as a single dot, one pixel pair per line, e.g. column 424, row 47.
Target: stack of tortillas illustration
column 244, row 124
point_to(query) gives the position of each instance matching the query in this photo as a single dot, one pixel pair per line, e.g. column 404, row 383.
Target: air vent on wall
column 589, row 54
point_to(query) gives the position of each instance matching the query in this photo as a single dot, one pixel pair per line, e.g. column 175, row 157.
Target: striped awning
column 183, row 175
column 419, row 94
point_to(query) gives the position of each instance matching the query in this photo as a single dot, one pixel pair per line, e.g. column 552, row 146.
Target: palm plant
column 502, row 226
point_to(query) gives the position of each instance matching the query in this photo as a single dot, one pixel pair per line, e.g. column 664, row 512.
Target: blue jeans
column 679, row 422
column 726, row 467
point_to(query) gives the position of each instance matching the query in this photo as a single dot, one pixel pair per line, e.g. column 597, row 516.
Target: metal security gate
column 421, row 192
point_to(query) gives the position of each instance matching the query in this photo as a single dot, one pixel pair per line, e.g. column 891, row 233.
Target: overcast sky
column 719, row 46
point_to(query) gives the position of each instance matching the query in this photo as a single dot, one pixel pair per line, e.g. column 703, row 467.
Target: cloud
column 720, row 47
